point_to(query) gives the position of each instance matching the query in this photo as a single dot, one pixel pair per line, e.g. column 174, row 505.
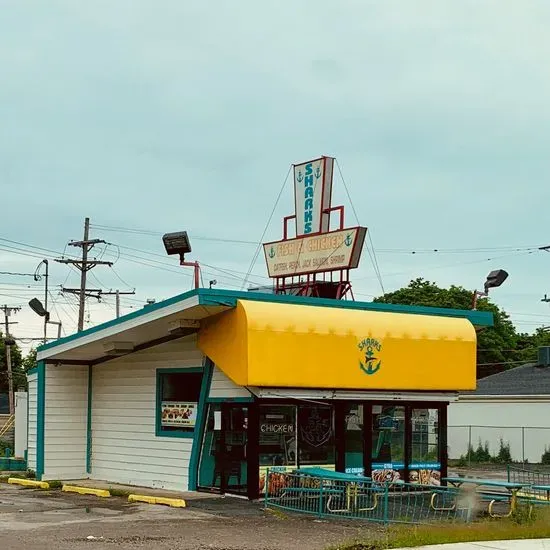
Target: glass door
column 233, row 459
column 388, row 443
column 425, row 465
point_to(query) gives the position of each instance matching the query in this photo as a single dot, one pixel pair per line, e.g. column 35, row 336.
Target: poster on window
column 176, row 414
column 425, row 473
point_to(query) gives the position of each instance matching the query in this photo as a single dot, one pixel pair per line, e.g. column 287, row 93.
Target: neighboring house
column 512, row 406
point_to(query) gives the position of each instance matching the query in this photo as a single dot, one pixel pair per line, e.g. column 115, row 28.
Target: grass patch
column 54, row 484
column 119, row 493
column 521, row 526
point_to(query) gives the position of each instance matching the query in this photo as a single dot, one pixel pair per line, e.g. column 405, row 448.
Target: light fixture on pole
column 178, row 243
column 36, row 305
column 494, row 280
column 212, row 283
column 38, row 277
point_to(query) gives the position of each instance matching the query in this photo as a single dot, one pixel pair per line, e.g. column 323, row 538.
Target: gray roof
column 528, row 379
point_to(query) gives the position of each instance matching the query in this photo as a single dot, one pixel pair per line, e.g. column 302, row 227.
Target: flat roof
column 211, row 301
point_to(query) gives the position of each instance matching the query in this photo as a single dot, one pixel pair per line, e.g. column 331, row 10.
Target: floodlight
column 38, row 308
column 176, row 243
column 495, row 279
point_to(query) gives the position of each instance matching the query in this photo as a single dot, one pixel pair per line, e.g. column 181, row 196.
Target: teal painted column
column 200, row 425
column 89, row 424
column 40, row 418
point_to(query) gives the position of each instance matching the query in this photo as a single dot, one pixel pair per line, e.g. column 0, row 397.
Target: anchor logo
column 272, row 252
column 300, row 176
column 371, row 363
column 317, row 172
column 348, row 240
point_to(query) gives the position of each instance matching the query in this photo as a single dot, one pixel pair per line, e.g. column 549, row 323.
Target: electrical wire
column 260, row 242
column 372, row 255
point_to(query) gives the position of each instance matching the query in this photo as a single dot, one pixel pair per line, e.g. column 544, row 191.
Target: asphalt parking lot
column 34, row 519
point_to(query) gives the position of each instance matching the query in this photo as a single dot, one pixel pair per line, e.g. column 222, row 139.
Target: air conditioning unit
column 544, row 356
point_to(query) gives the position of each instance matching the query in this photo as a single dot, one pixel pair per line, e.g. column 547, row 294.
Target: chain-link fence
column 475, row 444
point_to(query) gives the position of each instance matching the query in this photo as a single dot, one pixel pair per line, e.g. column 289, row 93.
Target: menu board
column 177, row 414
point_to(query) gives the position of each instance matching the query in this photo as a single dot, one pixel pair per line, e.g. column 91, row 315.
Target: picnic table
column 545, row 488
column 348, row 490
column 512, row 489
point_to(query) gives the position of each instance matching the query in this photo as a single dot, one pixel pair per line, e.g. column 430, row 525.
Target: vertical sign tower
column 316, row 260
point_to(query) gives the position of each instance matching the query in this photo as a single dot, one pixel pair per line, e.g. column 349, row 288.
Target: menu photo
column 174, row 413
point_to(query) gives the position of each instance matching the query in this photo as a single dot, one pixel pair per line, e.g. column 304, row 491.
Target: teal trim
column 230, row 298
column 159, row 432
column 230, row 399
column 30, row 372
column 89, row 424
column 212, row 296
column 40, row 418
column 200, row 425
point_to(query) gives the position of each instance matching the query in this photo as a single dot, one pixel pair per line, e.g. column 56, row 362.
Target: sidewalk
column 523, row 544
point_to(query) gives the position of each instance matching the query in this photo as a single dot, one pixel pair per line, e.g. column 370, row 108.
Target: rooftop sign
column 319, row 253
column 312, row 193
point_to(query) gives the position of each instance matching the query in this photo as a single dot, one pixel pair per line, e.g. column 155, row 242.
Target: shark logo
column 370, row 361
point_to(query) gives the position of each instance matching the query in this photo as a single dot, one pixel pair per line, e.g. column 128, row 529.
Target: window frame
column 184, row 433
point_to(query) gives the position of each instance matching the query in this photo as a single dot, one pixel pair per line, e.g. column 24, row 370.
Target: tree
column 496, row 345
column 18, row 374
column 29, row 362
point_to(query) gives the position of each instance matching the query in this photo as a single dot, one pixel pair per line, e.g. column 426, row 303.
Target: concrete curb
column 28, row 483
column 174, row 502
column 102, row 493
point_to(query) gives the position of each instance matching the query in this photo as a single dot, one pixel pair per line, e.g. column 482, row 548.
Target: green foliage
column 545, row 458
column 500, row 344
column 29, row 362
column 482, row 454
column 504, row 456
column 18, row 374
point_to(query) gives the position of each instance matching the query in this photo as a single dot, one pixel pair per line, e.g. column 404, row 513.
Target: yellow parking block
column 174, row 502
column 103, row 493
column 29, row 483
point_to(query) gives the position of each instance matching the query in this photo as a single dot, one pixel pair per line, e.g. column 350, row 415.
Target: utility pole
column 7, row 344
column 84, row 265
column 117, row 293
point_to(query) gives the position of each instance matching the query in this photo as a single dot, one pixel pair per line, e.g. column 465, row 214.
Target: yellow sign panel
column 325, row 252
column 281, row 345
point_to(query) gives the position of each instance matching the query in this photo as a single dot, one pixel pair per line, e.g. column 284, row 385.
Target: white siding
column 525, row 425
column 65, row 422
column 32, row 404
column 125, row 448
column 223, row 386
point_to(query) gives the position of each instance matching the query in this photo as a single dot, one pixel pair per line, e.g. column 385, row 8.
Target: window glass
column 354, row 435
column 388, row 443
column 316, row 436
column 277, row 439
column 178, row 401
column 425, row 466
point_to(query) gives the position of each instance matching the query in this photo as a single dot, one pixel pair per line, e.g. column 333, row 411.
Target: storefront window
column 388, row 443
column 277, row 442
column 354, row 439
column 177, row 401
column 316, row 436
column 425, row 466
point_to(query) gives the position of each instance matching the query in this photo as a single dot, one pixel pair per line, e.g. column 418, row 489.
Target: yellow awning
column 269, row 344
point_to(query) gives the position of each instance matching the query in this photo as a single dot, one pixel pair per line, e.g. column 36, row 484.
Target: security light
column 38, row 308
column 177, row 243
column 495, row 279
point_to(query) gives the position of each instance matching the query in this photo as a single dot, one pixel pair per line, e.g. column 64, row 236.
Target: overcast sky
column 168, row 115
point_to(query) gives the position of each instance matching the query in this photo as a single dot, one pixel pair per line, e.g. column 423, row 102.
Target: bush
column 504, row 456
column 482, row 453
column 545, row 458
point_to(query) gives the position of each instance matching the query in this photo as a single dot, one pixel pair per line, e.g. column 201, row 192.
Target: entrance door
column 232, row 459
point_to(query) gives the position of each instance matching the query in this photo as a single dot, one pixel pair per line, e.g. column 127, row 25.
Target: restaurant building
column 210, row 388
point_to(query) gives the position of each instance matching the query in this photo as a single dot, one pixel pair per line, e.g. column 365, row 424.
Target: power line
column 257, row 251
column 372, row 255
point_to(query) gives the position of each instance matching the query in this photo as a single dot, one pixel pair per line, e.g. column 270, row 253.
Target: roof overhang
column 185, row 313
